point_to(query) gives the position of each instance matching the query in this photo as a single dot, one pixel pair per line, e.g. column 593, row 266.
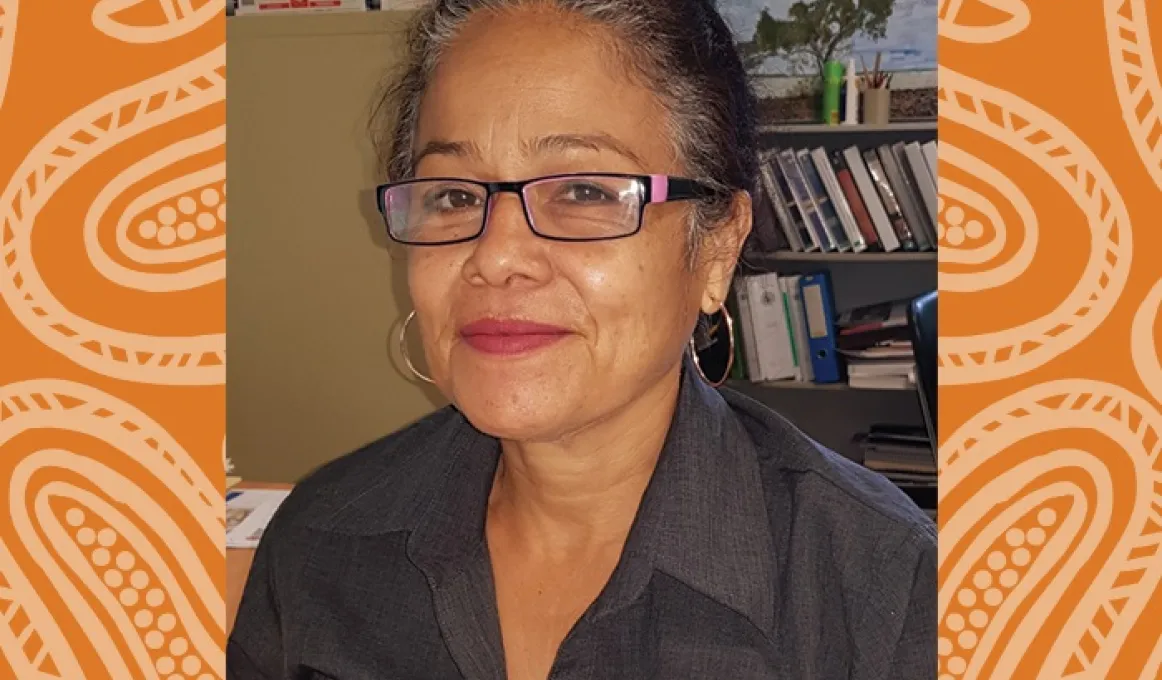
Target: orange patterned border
column 1051, row 446
column 112, row 266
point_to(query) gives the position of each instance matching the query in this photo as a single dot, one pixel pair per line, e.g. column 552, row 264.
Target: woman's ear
column 724, row 246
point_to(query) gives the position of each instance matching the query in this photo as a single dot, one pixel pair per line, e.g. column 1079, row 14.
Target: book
column 854, row 201
column 924, row 181
column 830, row 183
column 930, row 149
column 891, row 205
column 789, row 164
column 823, row 204
column 765, row 228
column 911, row 200
column 890, row 314
column 786, row 211
column 875, row 206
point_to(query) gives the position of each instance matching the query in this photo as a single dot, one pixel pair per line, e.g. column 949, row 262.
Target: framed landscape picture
column 785, row 43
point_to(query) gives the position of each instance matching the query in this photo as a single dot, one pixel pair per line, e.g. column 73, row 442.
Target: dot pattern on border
column 959, row 225
column 996, row 573
column 182, row 218
column 133, row 585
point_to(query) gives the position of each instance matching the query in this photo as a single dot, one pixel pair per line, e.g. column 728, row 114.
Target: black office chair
column 922, row 322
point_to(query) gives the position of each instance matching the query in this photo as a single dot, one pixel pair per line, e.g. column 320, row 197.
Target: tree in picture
column 816, row 31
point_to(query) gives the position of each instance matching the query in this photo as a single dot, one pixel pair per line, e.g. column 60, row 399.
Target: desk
column 238, row 562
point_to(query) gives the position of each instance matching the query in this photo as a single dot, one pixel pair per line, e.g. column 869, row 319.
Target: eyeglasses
column 575, row 207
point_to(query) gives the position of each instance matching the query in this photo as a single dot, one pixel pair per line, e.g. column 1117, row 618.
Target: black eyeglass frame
column 655, row 189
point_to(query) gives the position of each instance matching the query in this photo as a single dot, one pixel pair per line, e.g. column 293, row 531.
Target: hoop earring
column 403, row 348
column 729, row 357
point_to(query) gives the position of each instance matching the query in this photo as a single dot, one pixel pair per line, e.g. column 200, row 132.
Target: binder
column 798, row 327
column 820, row 314
column 772, row 329
column 746, row 322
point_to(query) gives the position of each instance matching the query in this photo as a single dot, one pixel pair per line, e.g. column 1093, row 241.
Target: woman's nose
column 508, row 250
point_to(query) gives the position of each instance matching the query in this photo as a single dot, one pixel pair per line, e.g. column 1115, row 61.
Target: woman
column 571, row 179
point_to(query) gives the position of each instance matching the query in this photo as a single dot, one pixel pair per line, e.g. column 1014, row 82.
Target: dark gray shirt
column 755, row 554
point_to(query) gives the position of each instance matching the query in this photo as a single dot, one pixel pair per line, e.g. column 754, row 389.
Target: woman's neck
column 583, row 492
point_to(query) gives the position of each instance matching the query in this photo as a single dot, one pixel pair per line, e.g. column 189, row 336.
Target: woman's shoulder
column 826, row 489
column 376, row 487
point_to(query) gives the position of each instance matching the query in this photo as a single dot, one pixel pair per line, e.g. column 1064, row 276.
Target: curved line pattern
column 1016, row 265
column 1056, row 550
column 1136, row 79
column 1056, row 150
column 71, row 406
column 7, row 41
column 157, row 281
column 1133, row 570
column 180, row 19
column 1153, row 668
column 53, row 658
column 1143, row 348
column 1018, row 21
column 122, row 530
column 195, row 360
column 63, row 405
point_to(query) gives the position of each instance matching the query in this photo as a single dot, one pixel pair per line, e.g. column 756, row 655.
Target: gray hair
column 681, row 49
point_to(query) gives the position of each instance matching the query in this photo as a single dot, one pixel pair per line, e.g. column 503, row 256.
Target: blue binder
column 815, row 291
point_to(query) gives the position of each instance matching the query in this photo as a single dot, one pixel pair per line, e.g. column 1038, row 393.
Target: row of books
column 852, row 200
column 788, row 330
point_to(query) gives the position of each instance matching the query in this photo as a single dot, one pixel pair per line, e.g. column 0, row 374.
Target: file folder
column 820, row 313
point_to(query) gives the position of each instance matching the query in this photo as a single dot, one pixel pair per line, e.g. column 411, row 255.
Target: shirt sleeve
column 255, row 648
column 915, row 652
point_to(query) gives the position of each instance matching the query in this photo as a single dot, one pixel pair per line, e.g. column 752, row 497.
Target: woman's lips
column 495, row 336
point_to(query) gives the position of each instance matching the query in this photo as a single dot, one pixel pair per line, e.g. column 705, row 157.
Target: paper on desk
column 248, row 511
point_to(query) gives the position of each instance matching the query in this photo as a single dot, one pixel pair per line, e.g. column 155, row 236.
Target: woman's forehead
column 553, row 93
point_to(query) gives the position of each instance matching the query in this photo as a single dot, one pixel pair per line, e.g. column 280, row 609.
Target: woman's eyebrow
column 442, row 147
column 594, row 142
column 542, row 145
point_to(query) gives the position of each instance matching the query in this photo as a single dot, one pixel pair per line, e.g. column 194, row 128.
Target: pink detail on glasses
column 659, row 188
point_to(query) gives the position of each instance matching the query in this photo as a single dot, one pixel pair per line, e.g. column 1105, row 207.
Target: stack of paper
column 248, row 511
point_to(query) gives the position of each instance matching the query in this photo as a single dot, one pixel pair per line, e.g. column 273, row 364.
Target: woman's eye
column 587, row 193
column 453, row 199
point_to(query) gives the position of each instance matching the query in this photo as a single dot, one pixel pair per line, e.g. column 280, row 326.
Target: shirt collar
column 703, row 519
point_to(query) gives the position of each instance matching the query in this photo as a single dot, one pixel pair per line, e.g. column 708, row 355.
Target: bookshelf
column 844, row 258
column 833, row 137
column 833, row 413
column 859, row 128
column 827, row 387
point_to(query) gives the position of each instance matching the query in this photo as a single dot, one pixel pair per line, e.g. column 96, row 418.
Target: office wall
column 314, row 293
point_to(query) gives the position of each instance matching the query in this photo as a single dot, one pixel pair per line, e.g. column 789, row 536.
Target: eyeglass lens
column 571, row 208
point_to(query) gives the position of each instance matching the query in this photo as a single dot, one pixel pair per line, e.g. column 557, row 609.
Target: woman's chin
column 515, row 408
column 523, row 425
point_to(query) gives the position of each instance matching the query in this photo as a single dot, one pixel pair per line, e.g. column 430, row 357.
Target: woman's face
column 526, row 94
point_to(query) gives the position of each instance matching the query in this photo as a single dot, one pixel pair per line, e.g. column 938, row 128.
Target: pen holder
column 877, row 106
